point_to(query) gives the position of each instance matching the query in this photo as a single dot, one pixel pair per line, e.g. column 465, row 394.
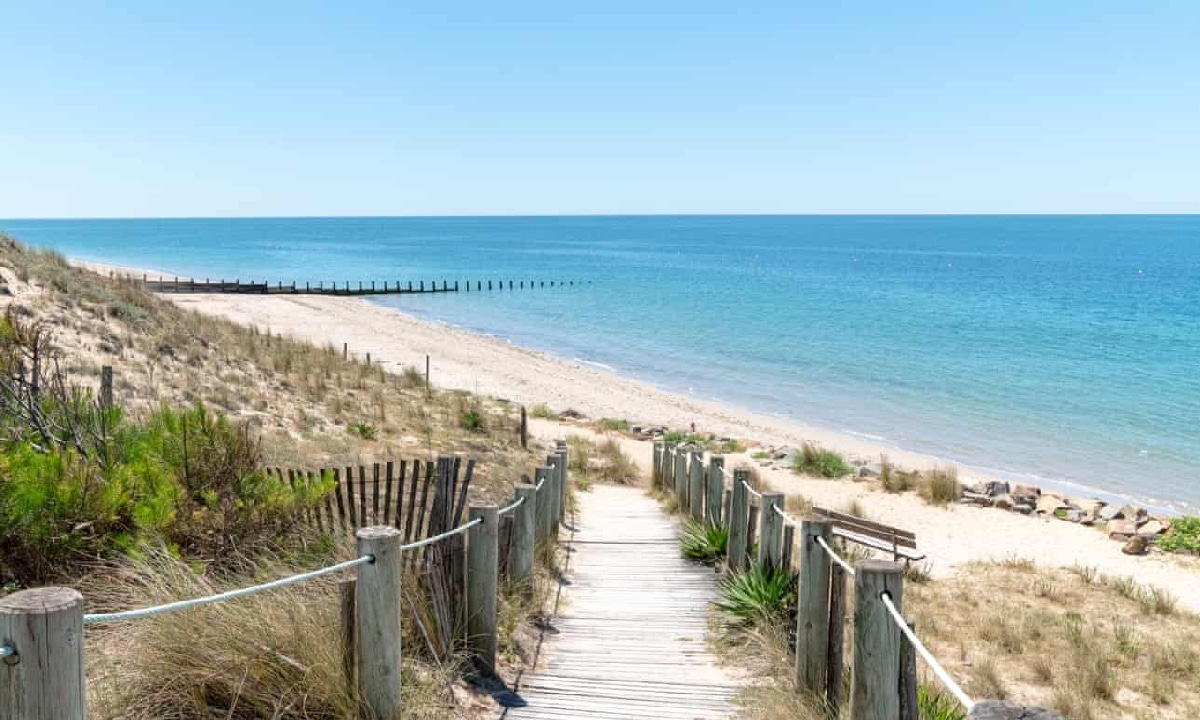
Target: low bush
column 614, row 424
column 757, row 595
column 815, row 460
column 366, row 431
column 1183, row 536
column 703, row 543
column 543, row 411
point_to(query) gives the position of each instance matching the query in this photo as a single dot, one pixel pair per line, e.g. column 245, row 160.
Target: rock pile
column 1129, row 524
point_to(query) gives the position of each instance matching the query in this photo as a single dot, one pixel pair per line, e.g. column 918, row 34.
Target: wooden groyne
column 369, row 287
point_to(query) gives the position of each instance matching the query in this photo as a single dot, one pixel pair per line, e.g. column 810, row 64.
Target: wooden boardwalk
column 632, row 627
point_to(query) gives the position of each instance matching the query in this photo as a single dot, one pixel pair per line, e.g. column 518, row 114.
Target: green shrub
column 1184, row 535
column 757, row 595
column 704, row 543
column 815, row 460
column 614, row 424
column 543, row 411
column 472, row 420
column 366, row 431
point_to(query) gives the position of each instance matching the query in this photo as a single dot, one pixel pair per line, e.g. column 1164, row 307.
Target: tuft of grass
column 471, row 420
column 933, row 704
column 366, row 431
column 941, row 486
column 703, row 543
column 614, row 424
column 543, row 411
column 815, row 460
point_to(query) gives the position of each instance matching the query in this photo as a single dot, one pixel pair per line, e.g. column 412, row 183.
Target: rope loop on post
column 510, row 508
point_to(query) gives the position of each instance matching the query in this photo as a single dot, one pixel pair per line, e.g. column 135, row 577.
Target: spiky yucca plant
column 757, row 595
column 704, row 543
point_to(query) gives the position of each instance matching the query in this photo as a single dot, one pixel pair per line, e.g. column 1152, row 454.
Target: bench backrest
column 879, row 531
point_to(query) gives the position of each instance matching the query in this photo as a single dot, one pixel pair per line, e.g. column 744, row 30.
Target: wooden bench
column 900, row 543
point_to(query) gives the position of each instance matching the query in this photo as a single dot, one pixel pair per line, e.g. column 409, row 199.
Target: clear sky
column 384, row 108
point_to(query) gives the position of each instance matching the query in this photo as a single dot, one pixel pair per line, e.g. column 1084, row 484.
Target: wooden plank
column 350, row 497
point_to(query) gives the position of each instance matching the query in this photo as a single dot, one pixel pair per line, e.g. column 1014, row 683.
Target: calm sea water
column 1063, row 348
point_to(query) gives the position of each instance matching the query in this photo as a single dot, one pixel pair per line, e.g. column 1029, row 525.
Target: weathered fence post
column 696, row 486
column 555, row 497
column 562, row 478
column 377, row 620
column 520, row 556
column 739, row 522
column 716, row 490
column 483, row 556
column 41, row 674
column 106, row 387
column 812, row 619
column 656, row 466
column 875, row 679
column 544, row 507
column 346, row 591
column 524, row 429
column 770, row 531
column 837, row 640
column 908, row 678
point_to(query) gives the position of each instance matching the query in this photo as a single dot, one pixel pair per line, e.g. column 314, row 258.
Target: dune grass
column 812, row 459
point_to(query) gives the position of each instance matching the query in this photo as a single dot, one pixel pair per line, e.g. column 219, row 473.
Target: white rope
column 510, row 508
column 7, row 650
column 849, row 570
column 538, row 487
column 442, row 536
column 220, row 597
column 783, row 515
column 751, row 490
column 934, row 665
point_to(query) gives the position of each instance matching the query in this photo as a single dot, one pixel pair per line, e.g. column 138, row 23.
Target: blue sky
column 364, row 108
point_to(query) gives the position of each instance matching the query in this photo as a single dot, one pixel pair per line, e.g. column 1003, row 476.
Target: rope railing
column 220, row 597
column 779, row 511
column 441, row 536
column 751, row 490
column 506, row 510
column 835, row 557
column 934, row 665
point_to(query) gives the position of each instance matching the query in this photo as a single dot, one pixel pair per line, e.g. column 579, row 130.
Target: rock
column 1132, row 512
column 974, row 498
column 637, row 430
column 1136, row 545
column 1005, row 710
column 1049, row 504
column 1026, row 490
column 1110, row 512
column 1023, row 508
column 867, row 471
column 1004, row 502
column 1120, row 529
column 996, row 487
column 1151, row 528
column 1072, row 515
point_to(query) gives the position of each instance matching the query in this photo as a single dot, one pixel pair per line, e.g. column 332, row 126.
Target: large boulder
column 1005, row 710
column 1120, row 529
column 1050, row 504
column 1110, row 512
column 1136, row 545
column 1153, row 527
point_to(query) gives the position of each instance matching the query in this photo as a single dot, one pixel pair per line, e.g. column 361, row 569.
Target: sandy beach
column 462, row 360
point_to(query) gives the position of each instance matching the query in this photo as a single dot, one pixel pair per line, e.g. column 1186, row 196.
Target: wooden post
column 483, row 555
column 377, row 622
column 106, row 387
column 837, row 640
column 681, row 476
column 875, row 681
column 656, row 465
column 908, row 678
column 770, row 534
column 562, row 479
column 42, row 678
column 345, row 351
column 812, row 618
column 346, row 592
column 739, row 521
column 553, row 495
column 696, row 486
column 524, row 429
column 543, row 507
column 520, row 555
column 716, row 490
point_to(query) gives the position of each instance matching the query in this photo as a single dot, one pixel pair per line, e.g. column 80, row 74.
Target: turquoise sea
column 1064, row 349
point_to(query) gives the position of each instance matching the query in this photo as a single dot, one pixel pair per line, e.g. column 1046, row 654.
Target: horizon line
column 483, row 216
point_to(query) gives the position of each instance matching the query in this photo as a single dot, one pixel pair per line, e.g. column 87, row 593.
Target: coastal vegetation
column 600, row 461
column 812, row 459
column 1184, row 535
column 162, row 494
column 704, row 543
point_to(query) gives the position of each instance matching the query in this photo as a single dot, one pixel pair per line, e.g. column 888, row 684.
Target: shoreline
column 670, row 407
